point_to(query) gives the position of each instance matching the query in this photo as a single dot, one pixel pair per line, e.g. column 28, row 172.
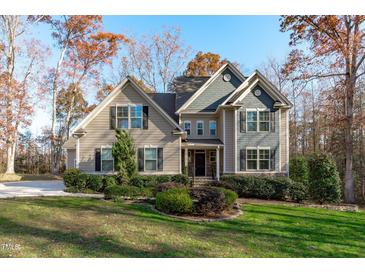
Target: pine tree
column 124, row 154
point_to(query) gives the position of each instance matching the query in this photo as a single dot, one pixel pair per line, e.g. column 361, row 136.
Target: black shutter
column 140, row 159
column 160, row 159
column 242, row 121
column 272, row 121
column 272, row 159
column 112, row 117
column 145, row 117
column 243, row 159
column 97, row 159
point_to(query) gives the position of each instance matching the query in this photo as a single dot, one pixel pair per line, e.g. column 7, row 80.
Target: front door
column 199, row 164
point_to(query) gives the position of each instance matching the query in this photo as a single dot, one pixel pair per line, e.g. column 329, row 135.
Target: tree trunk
column 54, row 157
column 10, row 159
column 349, row 180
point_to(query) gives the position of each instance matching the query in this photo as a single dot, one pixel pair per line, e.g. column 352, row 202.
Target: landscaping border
column 197, row 218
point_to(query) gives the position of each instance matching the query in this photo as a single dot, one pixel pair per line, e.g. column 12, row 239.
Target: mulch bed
column 234, row 213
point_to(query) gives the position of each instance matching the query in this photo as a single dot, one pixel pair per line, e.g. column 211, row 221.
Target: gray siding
column 215, row 93
column 255, row 139
column 159, row 134
column 229, row 141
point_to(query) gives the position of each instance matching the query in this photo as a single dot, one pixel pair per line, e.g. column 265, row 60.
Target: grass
column 27, row 177
column 82, row 227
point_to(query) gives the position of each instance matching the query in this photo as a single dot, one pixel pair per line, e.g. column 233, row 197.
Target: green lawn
column 80, row 227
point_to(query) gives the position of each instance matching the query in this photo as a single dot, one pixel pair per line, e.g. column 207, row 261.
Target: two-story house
column 223, row 124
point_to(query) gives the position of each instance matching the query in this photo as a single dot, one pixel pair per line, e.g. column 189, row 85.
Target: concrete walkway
column 37, row 188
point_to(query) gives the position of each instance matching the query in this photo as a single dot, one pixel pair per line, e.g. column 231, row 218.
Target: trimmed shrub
column 109, row 181
column 324, row 180
column 166, row 186
column 81, row 182
column 181, row 179
column 297, row 191
column 70, row 176
column 208, row 200
column 143, row 181
column 278, row 188
column 120, row 191
column 299, row 169
column 95, row 182
column 160, row 179
column 230, row 197
column 175, row 201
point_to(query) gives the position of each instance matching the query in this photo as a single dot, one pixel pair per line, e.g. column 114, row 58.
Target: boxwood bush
column 121, row 191
column 230, row 197
column 181, row 179
column 109, row 181
column 95, row 182
column 299, row 169
column 279, row 188
column 70, row 177
column 175, row 201
column 324, row 180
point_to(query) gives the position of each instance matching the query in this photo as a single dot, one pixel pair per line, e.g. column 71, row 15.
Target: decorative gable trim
column 112, row 96
column 265, row 83
column 234, row 70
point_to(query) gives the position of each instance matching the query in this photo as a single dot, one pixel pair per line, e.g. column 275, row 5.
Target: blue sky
column 248, row 40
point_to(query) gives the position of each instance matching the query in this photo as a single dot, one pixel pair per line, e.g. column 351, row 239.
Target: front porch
column 202, row 159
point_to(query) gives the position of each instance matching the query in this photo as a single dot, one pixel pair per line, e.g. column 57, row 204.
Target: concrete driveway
column 37, row 188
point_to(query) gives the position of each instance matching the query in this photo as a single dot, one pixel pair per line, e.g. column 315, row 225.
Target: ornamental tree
column 124, row 154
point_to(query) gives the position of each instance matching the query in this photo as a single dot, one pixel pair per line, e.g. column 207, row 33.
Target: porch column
column 217, row 163
column 77, row 152
column 186, row 161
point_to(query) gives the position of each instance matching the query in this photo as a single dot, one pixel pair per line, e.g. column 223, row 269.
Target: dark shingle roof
column 185, row 87
column 166, row 101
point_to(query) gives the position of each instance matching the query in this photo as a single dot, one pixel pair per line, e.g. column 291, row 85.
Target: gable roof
column 167, row 102
column 254, row 79
column 114, row 93
column 196, row 94
column 185, row 86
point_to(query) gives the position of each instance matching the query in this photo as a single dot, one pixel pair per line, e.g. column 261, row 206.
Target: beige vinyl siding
column 193, row 118
column 159, row 134
column 71, row 156
column 284, row 161
column 229, row 141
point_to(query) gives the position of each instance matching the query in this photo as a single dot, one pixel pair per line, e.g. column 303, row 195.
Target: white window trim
column 187, row 122
column 129, row 115
column 211, row 122
column 101, row 160
column 258, row 158
column 144, row 158
column 214, row 153
column 257, row 110
column 197, row 128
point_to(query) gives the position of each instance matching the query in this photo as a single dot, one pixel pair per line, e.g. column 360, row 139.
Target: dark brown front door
column 199, row 164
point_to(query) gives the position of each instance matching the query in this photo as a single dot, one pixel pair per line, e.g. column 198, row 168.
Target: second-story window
column 213, row 128
column 200, row 128
column 187, row 127
column 251, row 120
column 129, row 116
column 258, row 120
column 264, row 119
column 122, row 117
column 136, row 116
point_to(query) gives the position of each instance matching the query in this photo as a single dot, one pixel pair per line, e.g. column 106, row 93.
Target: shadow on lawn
column 260, row 226
column 93, row 246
